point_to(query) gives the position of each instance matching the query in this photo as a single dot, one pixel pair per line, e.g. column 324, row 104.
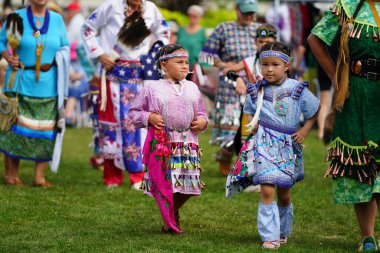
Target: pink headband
column 169, row 56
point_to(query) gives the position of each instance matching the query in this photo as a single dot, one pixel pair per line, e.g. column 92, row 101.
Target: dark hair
column 277, row 46
column 167, row 49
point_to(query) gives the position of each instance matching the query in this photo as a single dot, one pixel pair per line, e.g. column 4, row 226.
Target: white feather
column 255, row 119
column 103, row 99
column 9, row 30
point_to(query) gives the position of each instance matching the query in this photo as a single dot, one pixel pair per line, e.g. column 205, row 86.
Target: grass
column 80, row 215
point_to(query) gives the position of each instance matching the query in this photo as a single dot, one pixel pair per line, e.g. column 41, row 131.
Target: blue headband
column 273, row 53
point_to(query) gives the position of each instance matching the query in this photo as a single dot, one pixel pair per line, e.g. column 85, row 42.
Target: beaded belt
column 277, row 127
column 178, row 130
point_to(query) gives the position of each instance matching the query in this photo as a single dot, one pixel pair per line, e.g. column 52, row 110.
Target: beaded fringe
column 337, row 9
column 184, row 181
column 355, row 162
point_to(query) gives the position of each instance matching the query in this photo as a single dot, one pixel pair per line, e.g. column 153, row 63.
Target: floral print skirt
column 119, row 139
column 268, row 157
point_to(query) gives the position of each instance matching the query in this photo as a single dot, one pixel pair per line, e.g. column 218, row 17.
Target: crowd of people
column 141, row 83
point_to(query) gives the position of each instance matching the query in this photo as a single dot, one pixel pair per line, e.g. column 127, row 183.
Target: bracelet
column 232, row 75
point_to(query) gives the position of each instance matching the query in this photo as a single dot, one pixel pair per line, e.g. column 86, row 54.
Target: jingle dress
column 178, row 108
column 356, row 135
column 229, row 42
column 119, row 140
column 32, row 137
column 270, row 156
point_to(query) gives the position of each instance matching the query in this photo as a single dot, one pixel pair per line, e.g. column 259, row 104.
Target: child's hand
column 300, row 135
column 241, row 89
column 156, row 120
column 198, row 125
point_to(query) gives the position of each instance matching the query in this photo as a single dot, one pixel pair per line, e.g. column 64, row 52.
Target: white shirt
column 99, row 33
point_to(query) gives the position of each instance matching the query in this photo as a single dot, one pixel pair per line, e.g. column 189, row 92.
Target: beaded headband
column 169, row 56
column 273, row 53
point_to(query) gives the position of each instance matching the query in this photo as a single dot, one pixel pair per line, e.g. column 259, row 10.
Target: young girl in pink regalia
column 173, row 110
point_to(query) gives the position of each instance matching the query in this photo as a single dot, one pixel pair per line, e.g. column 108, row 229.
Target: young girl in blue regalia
column 272, row 154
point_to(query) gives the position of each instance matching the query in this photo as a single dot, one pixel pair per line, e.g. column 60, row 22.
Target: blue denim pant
column 274, row 221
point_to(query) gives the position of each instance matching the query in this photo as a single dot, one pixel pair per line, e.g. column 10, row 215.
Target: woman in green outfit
column 352, row 26
column 193, row 36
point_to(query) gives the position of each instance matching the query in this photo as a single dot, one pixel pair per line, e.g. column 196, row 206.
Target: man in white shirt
column 120, row 142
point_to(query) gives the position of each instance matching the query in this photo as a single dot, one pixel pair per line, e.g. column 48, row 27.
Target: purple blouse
column 178, row 105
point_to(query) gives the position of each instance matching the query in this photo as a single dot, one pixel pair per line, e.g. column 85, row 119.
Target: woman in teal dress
column 353, row 125
column 32, row 137
column 193, row 36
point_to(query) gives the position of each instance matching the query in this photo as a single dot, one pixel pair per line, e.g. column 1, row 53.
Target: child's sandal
column 271, row 245
column 283, row 240
column 170, row 231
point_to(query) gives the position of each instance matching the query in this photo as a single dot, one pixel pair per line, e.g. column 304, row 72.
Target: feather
column 251, row 126
column 15, row 26
column 14, row 30
column 134, row 30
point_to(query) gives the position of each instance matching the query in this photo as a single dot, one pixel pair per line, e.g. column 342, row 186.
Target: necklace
column 377, row 19
column 45, row 25
column 280, row 106
column 36, row 33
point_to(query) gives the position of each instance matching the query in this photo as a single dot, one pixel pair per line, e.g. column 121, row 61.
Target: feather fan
column 14, row 30
column 134, row 30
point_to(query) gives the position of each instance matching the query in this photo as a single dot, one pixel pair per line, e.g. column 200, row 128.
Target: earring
column 163, row 72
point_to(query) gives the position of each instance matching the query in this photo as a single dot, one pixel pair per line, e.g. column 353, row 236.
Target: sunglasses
column 263, row 33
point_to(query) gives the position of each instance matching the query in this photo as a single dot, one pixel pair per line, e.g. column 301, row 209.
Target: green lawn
column 80, row 215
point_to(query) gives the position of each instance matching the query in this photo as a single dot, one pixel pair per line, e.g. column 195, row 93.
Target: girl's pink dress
column 178, row 104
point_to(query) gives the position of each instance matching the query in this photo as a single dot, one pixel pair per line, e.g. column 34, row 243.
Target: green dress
column 357, row 128
column 193, row 43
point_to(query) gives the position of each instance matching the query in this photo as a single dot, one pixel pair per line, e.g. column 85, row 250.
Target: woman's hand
column 156, row 120
column 13, row 60
column 241, row 89
column 300, row 135
column 106, row 61
column 198, row 125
